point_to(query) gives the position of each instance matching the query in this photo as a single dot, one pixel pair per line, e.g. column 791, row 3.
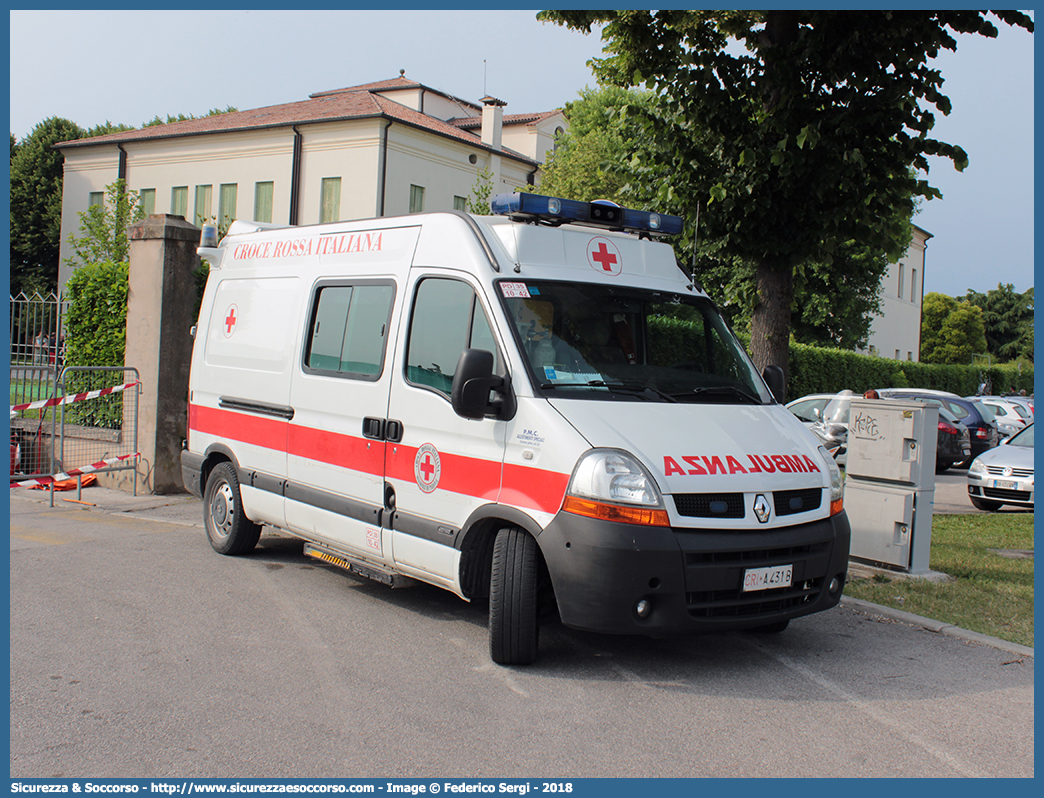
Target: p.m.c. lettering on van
column 311, row 245
column 702, row 465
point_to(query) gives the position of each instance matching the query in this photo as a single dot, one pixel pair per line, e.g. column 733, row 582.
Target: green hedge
column 95, row 335
column 815, row 369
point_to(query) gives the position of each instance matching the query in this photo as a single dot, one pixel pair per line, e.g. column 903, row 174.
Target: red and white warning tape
column 73, row 397
column 31, row 483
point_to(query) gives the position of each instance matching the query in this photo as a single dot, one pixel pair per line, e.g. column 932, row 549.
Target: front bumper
column 600, row 571
column 1014, row 490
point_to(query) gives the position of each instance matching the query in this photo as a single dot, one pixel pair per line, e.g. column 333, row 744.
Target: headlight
column 977, row 467
column 613, row 486
column 837, row 489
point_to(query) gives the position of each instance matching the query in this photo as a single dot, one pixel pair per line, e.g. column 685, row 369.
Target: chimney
column 492, row 121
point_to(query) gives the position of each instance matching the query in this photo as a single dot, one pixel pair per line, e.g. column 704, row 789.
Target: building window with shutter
column 179, row 201
column 96, row 198
column 913, row 285
column 416, row 199
column 204, row 196
column 263, row 193
column 227, row 205
column 460, row 204
column 900, row 295
column 330, row 202
column 147, row 200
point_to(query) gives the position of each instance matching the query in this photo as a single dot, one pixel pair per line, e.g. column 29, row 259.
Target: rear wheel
column 513, row 591
column 983, row 504
column 229, row 530
column 942, row 466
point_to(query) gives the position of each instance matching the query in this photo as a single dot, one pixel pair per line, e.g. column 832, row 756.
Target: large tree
column 1008, row 318
column 605, row 154
column 821, row 127
column 36, row 205
column 952, row 331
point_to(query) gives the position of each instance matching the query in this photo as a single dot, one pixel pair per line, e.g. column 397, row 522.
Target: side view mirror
column 473, row 380
column 777, row 383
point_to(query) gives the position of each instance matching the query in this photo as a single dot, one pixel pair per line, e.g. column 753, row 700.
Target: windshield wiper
column 632, row 386
column 733, row 390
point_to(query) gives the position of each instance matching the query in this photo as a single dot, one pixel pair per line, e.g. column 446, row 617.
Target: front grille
column 1021, row 473
column 789, row 502
column 709, row 505
column 1010, row 495
column 753, row 558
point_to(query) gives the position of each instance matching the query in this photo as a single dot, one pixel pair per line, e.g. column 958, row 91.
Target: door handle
column 382, row 429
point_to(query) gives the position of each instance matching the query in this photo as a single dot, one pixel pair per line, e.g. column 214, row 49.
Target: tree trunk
column 770, row 322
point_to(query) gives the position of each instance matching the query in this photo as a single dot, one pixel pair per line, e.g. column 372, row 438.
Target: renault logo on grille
column 762, row 509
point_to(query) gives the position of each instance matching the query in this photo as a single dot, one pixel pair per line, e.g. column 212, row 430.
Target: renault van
column 538, row 407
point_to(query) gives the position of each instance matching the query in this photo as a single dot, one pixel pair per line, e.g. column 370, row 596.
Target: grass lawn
column 991, row 593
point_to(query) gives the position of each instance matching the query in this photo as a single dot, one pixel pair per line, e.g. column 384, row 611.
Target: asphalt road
column 136, row 651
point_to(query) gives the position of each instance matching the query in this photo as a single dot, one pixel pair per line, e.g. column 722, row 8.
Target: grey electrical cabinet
column 890, row 482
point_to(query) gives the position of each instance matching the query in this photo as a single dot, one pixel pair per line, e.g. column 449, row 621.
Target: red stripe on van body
column 469, row 476
column 259, row 431
column 346, row 451
column 531, row 488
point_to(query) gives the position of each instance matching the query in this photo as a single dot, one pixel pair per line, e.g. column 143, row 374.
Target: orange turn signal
column 614, row 512
column 836, row 506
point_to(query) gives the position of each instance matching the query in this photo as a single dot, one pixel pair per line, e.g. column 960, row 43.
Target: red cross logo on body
column 231, row 317
column 604, row 257
column 427, row 468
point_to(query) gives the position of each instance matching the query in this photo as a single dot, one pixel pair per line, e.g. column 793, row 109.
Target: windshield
column 1024, row 438
column 837, row 409
column 589, row 341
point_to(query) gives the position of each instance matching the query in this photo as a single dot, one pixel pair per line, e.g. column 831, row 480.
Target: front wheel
column 228, row 528
column 513, row 609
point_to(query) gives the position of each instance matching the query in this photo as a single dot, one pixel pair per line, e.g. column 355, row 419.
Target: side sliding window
column 349, row 330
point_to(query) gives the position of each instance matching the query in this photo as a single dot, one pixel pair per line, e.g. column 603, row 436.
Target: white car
column 1008, row 412
column 1004, row 474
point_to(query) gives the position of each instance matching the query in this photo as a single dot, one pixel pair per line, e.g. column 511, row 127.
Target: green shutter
column 263, row 194
column 227, row 205
column 202, row 209
column 179, row 201
column 460, row 204
column 147, row 199
column 416, row 199
column 330, row 203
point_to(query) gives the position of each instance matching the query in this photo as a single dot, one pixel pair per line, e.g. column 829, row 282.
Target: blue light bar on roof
column 551, row 210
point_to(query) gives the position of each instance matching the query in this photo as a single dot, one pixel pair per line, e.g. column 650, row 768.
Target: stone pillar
column 160, row 304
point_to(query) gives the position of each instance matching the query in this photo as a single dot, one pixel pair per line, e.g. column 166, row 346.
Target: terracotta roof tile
column 337, row 105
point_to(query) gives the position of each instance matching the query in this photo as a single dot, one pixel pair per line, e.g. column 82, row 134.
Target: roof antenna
column 484, row 92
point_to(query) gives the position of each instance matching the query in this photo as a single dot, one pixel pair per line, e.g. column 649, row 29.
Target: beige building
column 896, row 332
column 380, row 149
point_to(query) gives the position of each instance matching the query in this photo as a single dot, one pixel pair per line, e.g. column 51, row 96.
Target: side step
column 358, row 567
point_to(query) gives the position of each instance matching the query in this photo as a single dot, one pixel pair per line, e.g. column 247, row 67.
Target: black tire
column 983, row 504
column 942, row 466
column 229, row 530
column 771, row 628
column 513, row 591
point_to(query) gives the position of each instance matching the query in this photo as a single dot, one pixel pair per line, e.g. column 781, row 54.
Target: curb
column 940, row 627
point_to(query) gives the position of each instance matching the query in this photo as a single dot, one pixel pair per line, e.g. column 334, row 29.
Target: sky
column 982, row 229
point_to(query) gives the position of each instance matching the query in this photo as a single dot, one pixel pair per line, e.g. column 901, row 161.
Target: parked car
column 1004, row 474
column 1007, row 411
column 826, row 414
column 809, row 409
column 1024, row 401
column 980, row 422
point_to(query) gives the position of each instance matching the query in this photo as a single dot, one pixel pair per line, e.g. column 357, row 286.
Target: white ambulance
column 536, row 406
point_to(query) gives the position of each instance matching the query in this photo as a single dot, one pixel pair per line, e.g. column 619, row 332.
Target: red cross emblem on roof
column 427, row 468
column 231, row 318
column 604, row 257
